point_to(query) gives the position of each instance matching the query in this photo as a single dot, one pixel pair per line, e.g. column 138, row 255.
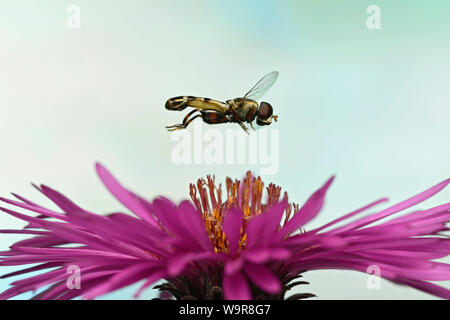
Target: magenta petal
column 307, row 212
column 192, row 218
column 236, row 287
column 167, row 214
column 31, row 269
column 349, row 215
column 333, row 242
column 258, row 255
column 126, row 277
column 396, row 208
column 253, row 230
column 280, row 253
column 263, row 278
column 61, row 201
column 128, row 199
column 232, row 226
column 177, row 263
column 42, row 211
column 430, row 288
column 25, row 200
column 273, row 217
column 261, row 228
column 422, row 214
column 233, row 266
column 158, row 275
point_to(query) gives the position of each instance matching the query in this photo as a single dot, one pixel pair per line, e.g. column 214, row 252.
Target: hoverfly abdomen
column 178, row 103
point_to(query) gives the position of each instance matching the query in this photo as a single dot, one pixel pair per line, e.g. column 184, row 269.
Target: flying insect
column 239, row 110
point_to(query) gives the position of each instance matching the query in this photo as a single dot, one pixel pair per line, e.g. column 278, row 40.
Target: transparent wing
column 261, row 87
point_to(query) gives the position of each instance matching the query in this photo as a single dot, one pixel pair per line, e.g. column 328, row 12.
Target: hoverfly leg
column 186, row 122
column 174, row 127
column 236, row 117
column 244, row 127
column 181, row 125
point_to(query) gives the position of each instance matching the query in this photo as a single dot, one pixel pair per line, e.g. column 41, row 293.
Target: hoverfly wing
column 261, row 87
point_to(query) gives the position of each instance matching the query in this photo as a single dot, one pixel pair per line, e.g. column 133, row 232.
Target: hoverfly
column 238, row 110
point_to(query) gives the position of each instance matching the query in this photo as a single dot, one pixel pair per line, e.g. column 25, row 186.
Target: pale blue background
column 370, row 106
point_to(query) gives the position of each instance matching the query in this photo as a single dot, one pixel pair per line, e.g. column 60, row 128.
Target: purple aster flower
column 238, row 247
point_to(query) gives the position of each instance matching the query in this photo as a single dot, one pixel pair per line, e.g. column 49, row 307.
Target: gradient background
column 371, row 106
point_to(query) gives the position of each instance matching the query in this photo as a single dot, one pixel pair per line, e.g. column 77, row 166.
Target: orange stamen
column 246, row 195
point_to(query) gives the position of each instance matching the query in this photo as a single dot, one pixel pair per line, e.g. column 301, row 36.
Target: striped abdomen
column 181, row 102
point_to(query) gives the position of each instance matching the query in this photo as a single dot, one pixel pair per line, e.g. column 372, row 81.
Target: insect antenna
column 275, row 117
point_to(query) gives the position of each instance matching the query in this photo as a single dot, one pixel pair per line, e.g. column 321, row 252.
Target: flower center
column 247, row 195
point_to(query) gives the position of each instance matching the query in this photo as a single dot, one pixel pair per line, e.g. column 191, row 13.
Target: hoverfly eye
column 265, row 111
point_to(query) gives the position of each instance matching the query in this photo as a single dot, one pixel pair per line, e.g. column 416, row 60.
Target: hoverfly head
column 265, row 114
